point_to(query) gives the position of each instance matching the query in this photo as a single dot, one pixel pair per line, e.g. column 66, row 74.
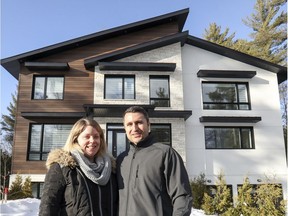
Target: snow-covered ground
column 29, row 207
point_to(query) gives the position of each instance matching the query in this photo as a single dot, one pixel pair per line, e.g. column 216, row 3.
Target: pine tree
column 15, row 191
column 207, row 205
column 20, row 190
column 215, row 35
column 220, row 202
column 199, row 188
column 27, row 188
column 7, row 134
column 223, row 200
column 269, row 24
column 8, row 121
column 245, row 201
column 269, row 199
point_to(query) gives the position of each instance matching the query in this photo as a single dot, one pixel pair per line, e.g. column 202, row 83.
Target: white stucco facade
column 268, row 157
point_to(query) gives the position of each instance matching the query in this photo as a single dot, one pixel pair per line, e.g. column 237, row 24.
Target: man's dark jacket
column 152, row 181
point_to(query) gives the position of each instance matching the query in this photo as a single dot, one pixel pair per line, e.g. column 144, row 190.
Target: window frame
column 107, row 76
column 45, row 87
column 240, row 135
column 120, row 128
column 38, row 186
column 42, row 154
column 162, row 124
column 168, row 99
column 237, row 103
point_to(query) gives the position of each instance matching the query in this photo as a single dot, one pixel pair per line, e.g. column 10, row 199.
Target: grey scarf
column 99, row 172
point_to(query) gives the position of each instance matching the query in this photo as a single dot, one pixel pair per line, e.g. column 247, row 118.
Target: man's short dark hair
column 137, row 109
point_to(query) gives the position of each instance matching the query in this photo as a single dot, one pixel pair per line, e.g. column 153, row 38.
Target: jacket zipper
column 128, row 193
column 88, row 192
column 100, row 201
column 112, row 197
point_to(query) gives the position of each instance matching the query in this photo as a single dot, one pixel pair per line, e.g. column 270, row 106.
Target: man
column 151, row 176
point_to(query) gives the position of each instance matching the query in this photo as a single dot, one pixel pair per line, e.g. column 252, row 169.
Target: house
column 219, row 108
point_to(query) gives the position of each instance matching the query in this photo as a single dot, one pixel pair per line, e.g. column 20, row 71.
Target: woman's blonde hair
column 77, row 129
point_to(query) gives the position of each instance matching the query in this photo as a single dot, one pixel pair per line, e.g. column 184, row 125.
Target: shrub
column 221, row 201
column 19, row 190
column 198, row 187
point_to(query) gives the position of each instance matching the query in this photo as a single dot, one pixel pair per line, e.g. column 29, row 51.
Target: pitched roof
column 12, row 64
column 233, row 54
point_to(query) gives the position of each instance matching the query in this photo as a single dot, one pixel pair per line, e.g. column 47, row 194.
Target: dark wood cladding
column 78, row 88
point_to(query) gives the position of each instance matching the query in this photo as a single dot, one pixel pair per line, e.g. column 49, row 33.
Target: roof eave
column 12, row 64
column 236, row 55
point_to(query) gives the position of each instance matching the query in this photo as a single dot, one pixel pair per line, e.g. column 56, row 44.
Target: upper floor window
column 45, row 88
column 225, row 96
column 159, row 91
column 229, row 138
column 119, row 87
column 44, row 137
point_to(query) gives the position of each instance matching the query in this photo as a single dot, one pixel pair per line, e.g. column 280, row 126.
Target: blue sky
column 32, row 24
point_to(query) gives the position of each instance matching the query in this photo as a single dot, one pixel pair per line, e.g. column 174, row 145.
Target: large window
column 225, row 96
column 119, row 87
column 46, row 88
column 159, row 91
column 117, row 141
column 44, row 137
column 229, row 138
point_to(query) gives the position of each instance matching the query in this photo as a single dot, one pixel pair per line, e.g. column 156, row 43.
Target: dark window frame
column 238, row 104
column 251, row 129
column 162, row 124
column 120, row 128
column 168, row 99
column 42, row 154
column 39, row 189
column 123, row 86
column 45, row 88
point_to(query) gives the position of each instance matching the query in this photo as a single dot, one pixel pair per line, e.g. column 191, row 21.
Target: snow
column 30, row 206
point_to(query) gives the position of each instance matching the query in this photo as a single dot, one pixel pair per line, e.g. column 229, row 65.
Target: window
column 44, row 137
column 37, row 189
column 119, row 87
column 159, row 91
column 162, row 133
column 229, row 138
column 225, row 96
column 46, row 88
column 117, row 141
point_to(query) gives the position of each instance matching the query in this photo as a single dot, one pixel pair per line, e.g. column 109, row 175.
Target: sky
column 33, row 24
column 30, row 207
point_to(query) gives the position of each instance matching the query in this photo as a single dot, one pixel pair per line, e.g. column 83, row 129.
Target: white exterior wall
column 268, row 157
column 167, row 54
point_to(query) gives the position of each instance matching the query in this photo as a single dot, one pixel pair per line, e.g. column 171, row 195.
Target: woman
column 81, row 177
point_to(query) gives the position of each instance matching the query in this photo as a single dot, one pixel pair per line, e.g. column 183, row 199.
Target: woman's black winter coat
column 67, row 191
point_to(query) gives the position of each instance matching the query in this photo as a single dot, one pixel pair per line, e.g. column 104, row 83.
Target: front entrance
column 116, row 139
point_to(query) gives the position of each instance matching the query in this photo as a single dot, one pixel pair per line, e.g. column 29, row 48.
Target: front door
column 116, row 140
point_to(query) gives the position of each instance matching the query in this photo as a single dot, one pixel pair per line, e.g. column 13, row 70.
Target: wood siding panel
column 78, row 88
